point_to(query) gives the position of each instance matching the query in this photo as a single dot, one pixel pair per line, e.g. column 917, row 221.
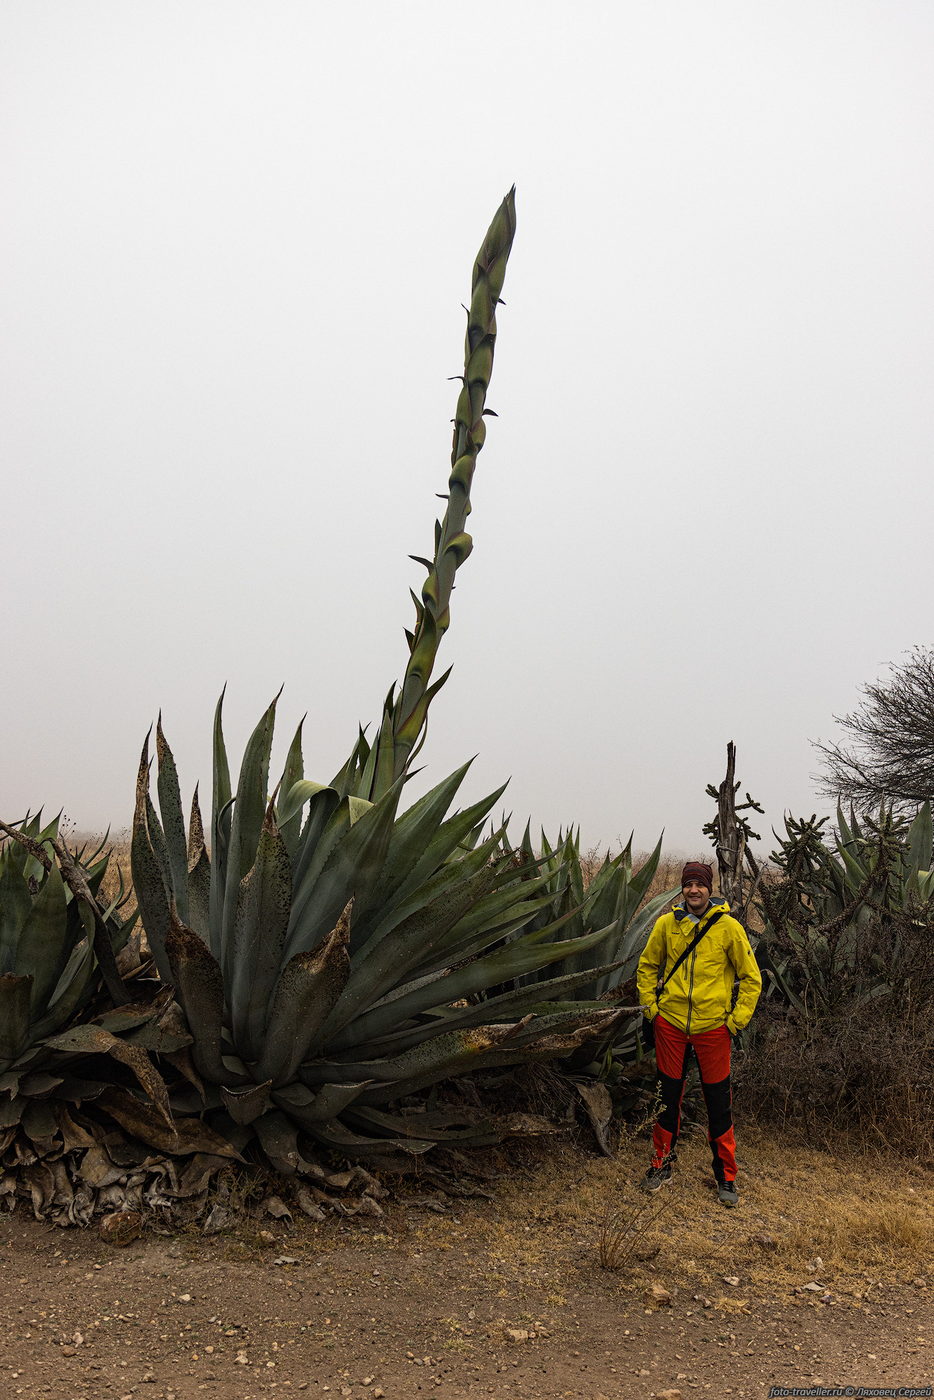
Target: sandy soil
column 503, row 1297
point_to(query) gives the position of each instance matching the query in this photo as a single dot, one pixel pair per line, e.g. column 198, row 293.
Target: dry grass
column 868, row 1220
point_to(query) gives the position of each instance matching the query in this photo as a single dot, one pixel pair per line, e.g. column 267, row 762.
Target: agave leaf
column 377, row 775
column 626, row 946
column 411, row 897
column 637, row 885
column 199, row 876
column 262, row 919
column 246, row 1105
column 308, row 988
column 920, row 841
column 322, row 807
column 147, row 875
column 461, row 1128
column 512, row 960
column 334, row 1135
column 186, row 1136
column 46, row 939
column 462, row 1051
column 350, row 869
column 412, row 835
column 15, row 993
column 494, row 916
column 15, row 903
column 173, row 823
column 279, row 1141
column 290, row 824
column 329, row 1101
column 200, row 985
column 856, row 871
column 288, row 810
column 539, row 997
column 347, row 780
column 606, row 893
column 221, row 816
column 372, row 978
column 94, row 1040
column 249, row 812
column 75, row 988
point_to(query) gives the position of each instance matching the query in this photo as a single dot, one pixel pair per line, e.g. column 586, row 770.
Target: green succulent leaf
column 308, row 989
column 260, row 927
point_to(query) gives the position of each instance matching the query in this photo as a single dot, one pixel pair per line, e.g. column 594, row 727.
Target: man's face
column 696, row 896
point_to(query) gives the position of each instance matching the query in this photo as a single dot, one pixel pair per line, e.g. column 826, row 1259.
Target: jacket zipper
column 691, row 988
column 691, row 992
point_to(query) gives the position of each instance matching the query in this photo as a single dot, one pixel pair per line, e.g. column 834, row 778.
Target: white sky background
column 235, row 243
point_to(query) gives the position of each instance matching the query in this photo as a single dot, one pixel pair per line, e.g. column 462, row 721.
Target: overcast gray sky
column 236, row 241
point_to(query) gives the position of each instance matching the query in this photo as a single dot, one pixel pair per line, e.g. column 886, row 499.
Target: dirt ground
column 823, row 1277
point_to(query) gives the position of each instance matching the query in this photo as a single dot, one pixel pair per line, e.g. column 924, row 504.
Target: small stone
column 814, row 1287
column 659, row 1296
column 121, row 1227
column 378, row 1392
column 183, row 1298
column 241, row 1359
column 668, row 1395
column 517, row 1334
column 732, row 1280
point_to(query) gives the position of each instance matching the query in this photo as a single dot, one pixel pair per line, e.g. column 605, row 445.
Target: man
column 695, row 956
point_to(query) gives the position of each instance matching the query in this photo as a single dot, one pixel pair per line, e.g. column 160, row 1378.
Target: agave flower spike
column 405, row 713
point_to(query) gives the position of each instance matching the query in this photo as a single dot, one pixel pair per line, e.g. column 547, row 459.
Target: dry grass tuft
column 628, row 1235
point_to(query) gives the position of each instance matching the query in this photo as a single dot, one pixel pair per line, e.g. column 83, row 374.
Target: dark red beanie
column 699, row 871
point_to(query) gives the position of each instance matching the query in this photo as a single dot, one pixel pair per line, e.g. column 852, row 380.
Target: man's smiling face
column 696, row 896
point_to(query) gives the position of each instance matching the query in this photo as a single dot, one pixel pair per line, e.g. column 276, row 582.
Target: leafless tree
column 888, row 755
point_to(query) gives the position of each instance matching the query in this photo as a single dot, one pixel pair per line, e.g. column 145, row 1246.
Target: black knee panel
column 671, row 1091
column 719, row 1103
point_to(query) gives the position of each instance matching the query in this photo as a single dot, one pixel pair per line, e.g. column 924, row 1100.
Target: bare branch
column 888, row 754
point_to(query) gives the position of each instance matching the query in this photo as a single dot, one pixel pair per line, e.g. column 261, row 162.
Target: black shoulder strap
column 692, row 945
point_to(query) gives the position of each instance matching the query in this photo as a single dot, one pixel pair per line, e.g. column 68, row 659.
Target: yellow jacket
column 699, row 996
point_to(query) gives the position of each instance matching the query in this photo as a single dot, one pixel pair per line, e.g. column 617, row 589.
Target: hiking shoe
column 727, row 1193
column 655, row 1177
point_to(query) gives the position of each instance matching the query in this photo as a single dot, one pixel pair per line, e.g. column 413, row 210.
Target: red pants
column 712, row 1049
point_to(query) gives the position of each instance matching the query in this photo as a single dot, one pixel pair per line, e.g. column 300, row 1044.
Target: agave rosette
column 60, row 1045
column 327, row 952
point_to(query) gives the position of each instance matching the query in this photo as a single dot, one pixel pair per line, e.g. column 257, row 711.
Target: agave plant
column 58, row 946
column 324, row 949
column 324, row 952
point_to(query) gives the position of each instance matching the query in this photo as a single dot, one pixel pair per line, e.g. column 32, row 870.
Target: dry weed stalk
column 624, row 1227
